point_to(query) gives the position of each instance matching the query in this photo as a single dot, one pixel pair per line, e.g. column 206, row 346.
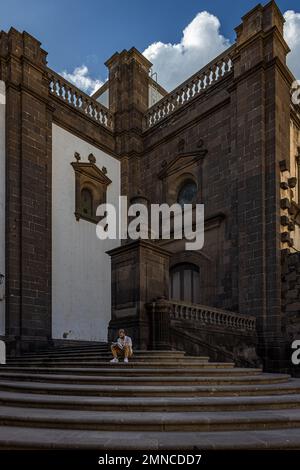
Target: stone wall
column 291, row 295
column 230, row 137
column 28, row 194
column 31, row 109
column 243, row 123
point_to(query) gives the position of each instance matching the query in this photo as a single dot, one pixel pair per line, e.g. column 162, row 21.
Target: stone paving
column 74, row 398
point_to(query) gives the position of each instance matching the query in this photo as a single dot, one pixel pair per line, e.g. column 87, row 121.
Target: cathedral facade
column 228, row 138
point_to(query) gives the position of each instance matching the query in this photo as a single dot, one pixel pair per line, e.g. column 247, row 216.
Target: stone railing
column 163, row 312
column 211, row 316
column 193, row 86
column 71, row 95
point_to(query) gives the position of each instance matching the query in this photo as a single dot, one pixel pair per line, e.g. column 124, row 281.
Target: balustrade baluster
column 57, row 88
column 67, row 94
column 214, row 75
column 185, row 94
column 104, row 118
column 106, row 115
column 62, row 89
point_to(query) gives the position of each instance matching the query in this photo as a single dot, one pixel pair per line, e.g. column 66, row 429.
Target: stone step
column 96, row 349
column 12, row 437
column 116, row 370
column 87, row 352
column 106, row 357
column 71, row 347
column 132, row 364
column 69, row 344
column 290, row 387
column 209, row 403
column 76, row 398
column 150, row 421
column 146, row 380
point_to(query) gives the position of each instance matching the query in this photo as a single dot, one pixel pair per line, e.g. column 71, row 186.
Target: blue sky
column 89, row 32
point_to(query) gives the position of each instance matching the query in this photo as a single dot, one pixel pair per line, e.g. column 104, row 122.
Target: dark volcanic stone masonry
column 231, row 136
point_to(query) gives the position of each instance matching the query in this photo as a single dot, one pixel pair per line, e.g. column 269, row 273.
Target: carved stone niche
column 185, row 168
column 90, row 188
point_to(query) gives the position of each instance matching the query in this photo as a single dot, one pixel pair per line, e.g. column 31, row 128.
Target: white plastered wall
column 81, row 272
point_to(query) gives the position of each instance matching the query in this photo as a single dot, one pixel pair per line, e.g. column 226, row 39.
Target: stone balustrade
column 192, row 87
column 211, row 316
column 71, row 95
column 200, row 314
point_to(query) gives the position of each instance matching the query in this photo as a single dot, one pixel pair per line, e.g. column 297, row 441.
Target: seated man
column 122, row 347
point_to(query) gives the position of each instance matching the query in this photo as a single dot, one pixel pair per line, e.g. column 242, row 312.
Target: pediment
column 91, row 185
column 182, row 161
column 91, row 171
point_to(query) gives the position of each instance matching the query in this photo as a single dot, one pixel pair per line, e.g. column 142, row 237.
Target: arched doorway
column 185, row 283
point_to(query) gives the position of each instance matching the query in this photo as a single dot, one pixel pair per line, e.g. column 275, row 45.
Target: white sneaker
column 115, row 359
column 126, row 360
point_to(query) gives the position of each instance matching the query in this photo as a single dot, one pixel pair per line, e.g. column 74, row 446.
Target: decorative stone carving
column 90, row 188
column 286, row 238
column 91, row 158
column 283, row 165
column 284, row 185
column 292, row 182
column 285, row 203
column 182, row 161
column 186, row 166
column 291, row 226
column 284, row 220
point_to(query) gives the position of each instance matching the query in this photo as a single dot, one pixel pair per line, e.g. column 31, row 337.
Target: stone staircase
column 72, row 397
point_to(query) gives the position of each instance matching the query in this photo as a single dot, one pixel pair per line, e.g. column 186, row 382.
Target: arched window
column 187, row 193
column 185, row 283
column 86, row 202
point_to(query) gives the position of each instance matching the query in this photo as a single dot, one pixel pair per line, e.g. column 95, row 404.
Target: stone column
column 129, row 100
column 28, row 198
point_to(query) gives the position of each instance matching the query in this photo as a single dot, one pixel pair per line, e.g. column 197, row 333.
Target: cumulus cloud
column 292, row 37
column 82, row 79
column 201, row 41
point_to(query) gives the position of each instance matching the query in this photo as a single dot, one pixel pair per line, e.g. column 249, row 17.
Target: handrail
column 193, row 86
column 70, row 94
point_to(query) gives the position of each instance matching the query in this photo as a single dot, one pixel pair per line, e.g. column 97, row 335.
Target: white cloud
column 81, row 78
column 292, row 37
column 201, row 41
